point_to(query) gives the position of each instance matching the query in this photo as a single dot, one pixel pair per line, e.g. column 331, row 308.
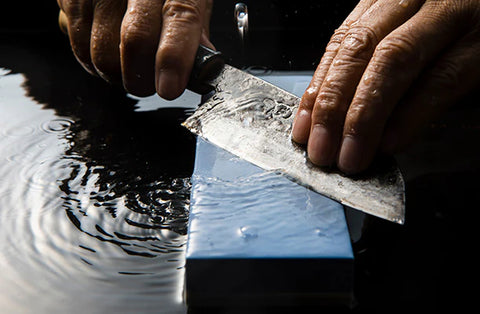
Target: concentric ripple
column 58, row 125
column 78, row 235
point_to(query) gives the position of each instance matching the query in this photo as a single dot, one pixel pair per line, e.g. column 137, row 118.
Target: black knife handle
column 208, row 65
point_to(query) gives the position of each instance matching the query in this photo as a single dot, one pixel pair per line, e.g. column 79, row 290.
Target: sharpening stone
column 257, row 239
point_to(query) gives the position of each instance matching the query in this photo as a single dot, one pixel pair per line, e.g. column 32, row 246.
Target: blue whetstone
column 256, row 238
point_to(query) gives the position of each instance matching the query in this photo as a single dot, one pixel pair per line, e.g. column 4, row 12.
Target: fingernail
column 169, row 84
column 320, row 147
column 301, row 126
column 351, row 154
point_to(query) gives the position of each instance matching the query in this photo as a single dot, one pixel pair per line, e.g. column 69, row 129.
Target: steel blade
column 252, row 119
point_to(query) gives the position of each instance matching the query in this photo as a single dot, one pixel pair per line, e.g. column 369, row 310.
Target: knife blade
column 252, row 119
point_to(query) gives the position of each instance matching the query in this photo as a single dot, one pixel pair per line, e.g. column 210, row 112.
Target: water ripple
column 77, row 229
column 58, row 125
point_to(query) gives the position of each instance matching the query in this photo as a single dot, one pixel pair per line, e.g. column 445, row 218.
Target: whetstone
column 256, row 238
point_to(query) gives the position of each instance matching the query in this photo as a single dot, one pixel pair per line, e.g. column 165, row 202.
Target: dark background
column 284, row 35
column 28, row 15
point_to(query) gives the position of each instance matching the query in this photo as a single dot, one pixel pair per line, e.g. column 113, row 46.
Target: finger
column 454, row 74
column 205, row 37
column 302, row 121
column 207, row 15
column 63, row 22
column 79, row 15
column 396, row 63
column 205, row 41
column 343, row 76
column 140, row 35
column 181, row 32
column 105, row 38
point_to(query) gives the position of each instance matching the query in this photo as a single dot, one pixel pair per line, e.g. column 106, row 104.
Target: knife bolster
column 207, row 66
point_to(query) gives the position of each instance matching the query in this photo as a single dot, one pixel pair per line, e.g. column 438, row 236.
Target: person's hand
column 149, row 45
column 390, row 67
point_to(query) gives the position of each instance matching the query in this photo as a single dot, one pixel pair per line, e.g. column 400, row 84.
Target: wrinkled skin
column 391, row 67
column 148, row 45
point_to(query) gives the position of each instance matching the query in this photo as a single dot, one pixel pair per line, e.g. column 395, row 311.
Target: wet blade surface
column 252, row 119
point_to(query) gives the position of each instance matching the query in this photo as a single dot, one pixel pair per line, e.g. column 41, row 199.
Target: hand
column 150, row 45
column 390, row 68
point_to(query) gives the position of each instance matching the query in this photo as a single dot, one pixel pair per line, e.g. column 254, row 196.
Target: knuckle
column 308, row 99
column 362, row 119
column 66, row 5
column 367, row 98
column 187, row 11
column 140, row 28
column 359, row 43
column 135, row 36
column 353, row 126
column 446, row 75
column 73, row 9
column 397, row 51
column 337, row 38
column 327, row 112
column 465, row 13
column 170, row 58
column 330, row 92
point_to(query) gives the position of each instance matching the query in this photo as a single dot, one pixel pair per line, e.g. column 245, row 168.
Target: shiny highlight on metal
column 252, row 119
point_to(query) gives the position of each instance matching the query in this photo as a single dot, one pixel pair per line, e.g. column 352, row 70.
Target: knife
column 252, row 119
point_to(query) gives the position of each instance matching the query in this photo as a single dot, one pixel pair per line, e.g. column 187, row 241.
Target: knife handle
column 208, row 65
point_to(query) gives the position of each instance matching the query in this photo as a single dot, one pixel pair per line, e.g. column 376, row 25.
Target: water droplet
column 319, row 232
column 248, row 233
column 241, row 16
column 330, row 78
column 60, row 125
column 367, row 79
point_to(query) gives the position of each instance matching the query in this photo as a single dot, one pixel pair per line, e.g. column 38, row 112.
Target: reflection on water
column 93, row 195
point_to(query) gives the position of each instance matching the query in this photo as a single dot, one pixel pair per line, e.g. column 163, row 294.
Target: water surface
column 94, row 192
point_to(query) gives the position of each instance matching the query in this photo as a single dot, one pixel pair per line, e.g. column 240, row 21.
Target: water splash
column 241, row 17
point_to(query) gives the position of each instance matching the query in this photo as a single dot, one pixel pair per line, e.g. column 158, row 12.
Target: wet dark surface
column 94, row 198
column 94, row 191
